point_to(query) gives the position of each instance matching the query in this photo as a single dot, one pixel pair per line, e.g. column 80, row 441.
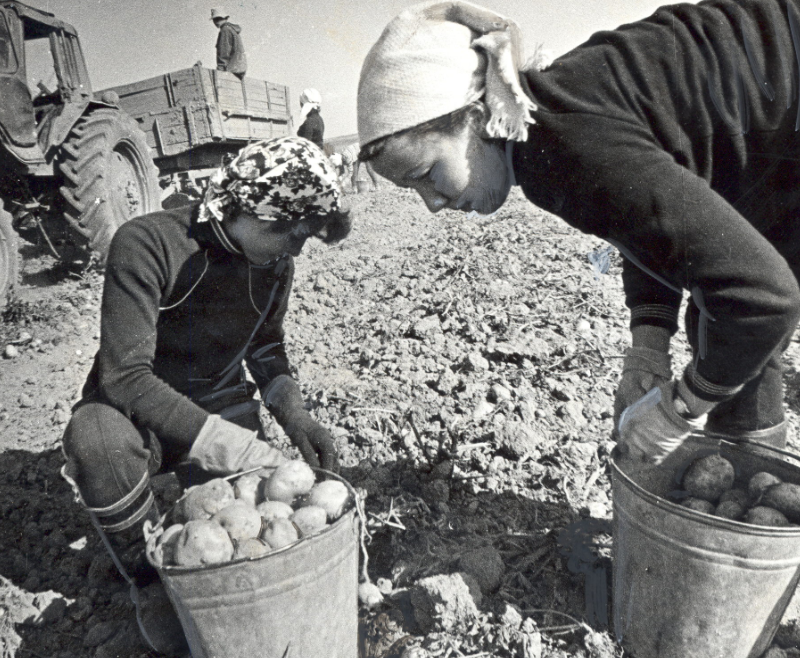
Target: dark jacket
column 313, row 128
column 177, row 310
column 676, row 138
column 230, row 50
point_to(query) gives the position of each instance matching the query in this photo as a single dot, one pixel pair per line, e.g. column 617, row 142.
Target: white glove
column 224, row 448
column 651, row 428
column 642, row 370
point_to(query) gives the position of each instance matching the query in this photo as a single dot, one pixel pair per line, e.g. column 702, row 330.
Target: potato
column 290, row 479
column 203, row 501
column 730, row 509
column 280, row 533
column 330, row 495
column 274, row 509
column 248, row 489
column 164, row 553
column 709, row 477
column 784, row 497
column 761, row 515
column 201, row 543
column 251, row 548
column 759, row 483
column 310, row 519
column 698, row 505
column 369, row 595
column 240, row 520
column 737, row 496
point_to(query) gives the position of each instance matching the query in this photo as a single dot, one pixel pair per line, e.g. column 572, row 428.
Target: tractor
column 73, row 167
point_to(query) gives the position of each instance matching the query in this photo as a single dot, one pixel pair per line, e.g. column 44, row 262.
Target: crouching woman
column 191, row 297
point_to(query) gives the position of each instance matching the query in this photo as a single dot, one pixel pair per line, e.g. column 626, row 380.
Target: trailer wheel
column 108, row 177
column 9, row 257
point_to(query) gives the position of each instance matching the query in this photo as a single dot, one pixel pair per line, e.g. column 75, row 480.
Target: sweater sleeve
column 135, row 278
column 650, row 301
column 627, row 189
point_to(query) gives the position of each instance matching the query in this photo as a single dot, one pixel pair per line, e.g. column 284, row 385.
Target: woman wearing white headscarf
column 313, row 127
column 674, row 138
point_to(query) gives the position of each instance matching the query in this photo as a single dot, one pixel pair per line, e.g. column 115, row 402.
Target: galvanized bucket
column 297, row 602
column 691, row 585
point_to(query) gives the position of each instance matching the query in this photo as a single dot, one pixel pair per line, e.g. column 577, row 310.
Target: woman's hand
column 282, row 397
column 313, row 441
column 224, row 448
column 643, row 370
column 651, row 428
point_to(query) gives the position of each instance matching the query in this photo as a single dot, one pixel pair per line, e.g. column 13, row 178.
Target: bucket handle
column 722, row 439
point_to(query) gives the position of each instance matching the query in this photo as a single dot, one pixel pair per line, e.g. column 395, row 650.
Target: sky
column 316, row 43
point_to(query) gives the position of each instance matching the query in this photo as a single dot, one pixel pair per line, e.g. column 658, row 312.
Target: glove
column 651, row 428
column 642, row 370
column 224, row 448
column 282, row 397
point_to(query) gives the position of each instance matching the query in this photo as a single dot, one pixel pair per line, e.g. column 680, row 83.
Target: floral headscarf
column 284, row 178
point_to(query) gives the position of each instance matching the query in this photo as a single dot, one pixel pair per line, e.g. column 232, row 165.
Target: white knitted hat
column 437, row 57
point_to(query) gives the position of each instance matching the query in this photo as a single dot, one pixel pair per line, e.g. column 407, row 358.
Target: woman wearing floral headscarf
column 190, row 297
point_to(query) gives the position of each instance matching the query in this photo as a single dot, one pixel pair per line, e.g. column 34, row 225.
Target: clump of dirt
column 466, row 367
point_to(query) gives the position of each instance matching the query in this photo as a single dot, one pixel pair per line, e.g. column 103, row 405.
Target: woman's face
column 455, row 169
column 263, row 241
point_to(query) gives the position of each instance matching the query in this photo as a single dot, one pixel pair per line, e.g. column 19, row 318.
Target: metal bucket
column 362, row 186
column 691, row 585
column 297, row 602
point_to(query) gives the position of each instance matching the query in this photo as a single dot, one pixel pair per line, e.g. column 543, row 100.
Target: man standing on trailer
column 230, row 49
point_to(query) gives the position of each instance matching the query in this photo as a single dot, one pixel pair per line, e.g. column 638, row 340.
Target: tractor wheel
column 108, row 177
column 9, row 257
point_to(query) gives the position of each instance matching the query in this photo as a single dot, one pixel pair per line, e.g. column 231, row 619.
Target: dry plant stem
column 362, row 540
column 46, row 237
column 552, row 612
column 410, row 421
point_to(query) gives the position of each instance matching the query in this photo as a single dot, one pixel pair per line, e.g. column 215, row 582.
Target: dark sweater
column 169, row 330
column 230, row 50
column 675, row 137
column 313, row 128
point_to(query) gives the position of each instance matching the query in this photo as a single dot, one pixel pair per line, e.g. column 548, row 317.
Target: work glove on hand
column 282, row 397
column 651, row 428
column 643, row 370
column 223, row 448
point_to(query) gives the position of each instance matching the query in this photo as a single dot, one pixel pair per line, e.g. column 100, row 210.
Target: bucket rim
column 158, row 528
column 708, row 519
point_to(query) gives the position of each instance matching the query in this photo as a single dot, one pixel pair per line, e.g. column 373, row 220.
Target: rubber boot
column 158, row 623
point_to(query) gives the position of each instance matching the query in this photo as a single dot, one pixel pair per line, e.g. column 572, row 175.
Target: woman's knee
column 106, row 454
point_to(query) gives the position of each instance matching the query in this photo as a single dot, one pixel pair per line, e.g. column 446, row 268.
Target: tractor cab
column 44, row 84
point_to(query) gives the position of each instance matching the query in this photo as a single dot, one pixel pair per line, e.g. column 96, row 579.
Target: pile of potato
column 260, row 512
column 764, row 499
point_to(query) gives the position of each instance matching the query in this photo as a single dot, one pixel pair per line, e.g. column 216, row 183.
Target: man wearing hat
column 230, row 49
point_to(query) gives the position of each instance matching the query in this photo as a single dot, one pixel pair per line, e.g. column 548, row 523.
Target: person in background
column 313, row 127
column 190, row 297
column 230, row 48
column 351, row 160
column 674, row 138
